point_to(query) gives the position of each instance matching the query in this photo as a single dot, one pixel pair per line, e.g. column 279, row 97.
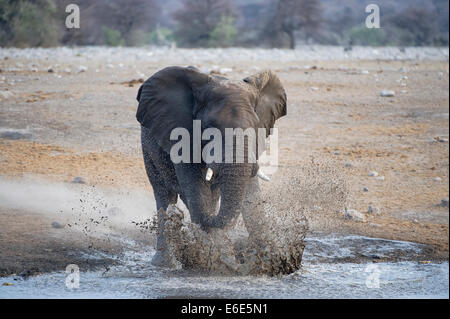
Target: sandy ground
column 74, row 121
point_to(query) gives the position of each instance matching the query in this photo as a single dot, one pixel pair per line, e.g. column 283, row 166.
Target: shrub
column 364, row 36
column 224, row 33
column 28, row 23
column 113, row 37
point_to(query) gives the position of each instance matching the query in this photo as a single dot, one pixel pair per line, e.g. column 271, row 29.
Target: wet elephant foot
column 169, row 225
column 163, row 259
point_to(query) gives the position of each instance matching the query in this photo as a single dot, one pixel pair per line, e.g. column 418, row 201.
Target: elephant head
column 176, row 96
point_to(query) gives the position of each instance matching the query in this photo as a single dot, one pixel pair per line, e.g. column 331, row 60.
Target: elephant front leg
column 170, row 238
column 163, row 200
column 255, row 220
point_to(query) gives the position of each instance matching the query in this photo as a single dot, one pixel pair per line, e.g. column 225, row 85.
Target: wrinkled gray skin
column 173, row 98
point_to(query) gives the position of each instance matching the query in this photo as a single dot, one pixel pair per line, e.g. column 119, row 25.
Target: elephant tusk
column 263, row 176
column 209, row 174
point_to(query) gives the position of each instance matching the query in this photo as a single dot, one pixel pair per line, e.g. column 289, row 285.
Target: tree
column 129, row 16
column 28, row 23
column 415, row 26
column 197, row 22
column 112, row 21
column 224, row 33
column 293, row 16
column 361, row 35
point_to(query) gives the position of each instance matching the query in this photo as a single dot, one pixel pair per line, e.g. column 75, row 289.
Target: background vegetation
column 223, row 23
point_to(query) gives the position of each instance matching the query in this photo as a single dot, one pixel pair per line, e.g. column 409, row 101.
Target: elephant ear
column 168, row 100
column 271, row 104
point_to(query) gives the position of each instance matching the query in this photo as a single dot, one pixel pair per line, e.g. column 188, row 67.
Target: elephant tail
column 138, row 98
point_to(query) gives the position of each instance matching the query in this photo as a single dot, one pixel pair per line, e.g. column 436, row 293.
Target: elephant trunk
column 233, row 183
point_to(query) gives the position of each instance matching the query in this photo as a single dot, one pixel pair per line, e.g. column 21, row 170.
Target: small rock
column 444, row 202
column 50, row 70
column 387, row 93
column 380, row 178
column 14, row 135
column 336, row 153
column 81, row 69
column 7, row 284
column 364, row 72
column 57, row 225
column 373, row 210
column 437, row 179
column 29, row 272
column 225, row 70
column 78, row 180
column 351, row 214
column 314, row 88
column 365, row 189
column 373, row 256
column 348, row 165
column 415, row 221
column 6, row 94
column 373, row 174
column 443, row 140
column 374, row 225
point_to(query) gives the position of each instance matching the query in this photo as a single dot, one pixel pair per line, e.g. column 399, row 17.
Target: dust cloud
column 94, row 211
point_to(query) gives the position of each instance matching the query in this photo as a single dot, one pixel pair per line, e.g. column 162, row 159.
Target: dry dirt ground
column 83, row 124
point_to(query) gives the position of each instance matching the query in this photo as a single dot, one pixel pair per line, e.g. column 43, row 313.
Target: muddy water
column 333, row 267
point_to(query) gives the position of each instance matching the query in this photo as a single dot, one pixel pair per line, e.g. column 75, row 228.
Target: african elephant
column 176, row 96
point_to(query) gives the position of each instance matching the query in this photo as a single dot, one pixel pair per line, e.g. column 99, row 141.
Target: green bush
column 400, row 37
column 364, row 36
column 161, row 36
column 113, row 37
column 28, row 23
column 158, row 37
column 224, row 33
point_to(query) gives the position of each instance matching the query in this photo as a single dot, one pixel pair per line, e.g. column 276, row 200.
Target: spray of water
column 273, row 217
